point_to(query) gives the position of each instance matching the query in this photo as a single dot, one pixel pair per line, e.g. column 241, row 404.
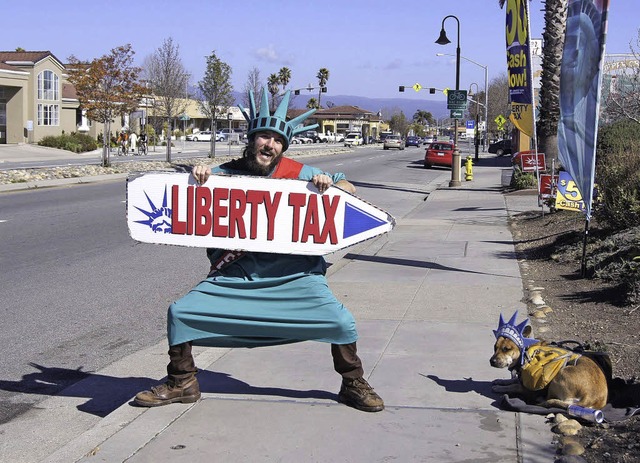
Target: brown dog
column 577, row 380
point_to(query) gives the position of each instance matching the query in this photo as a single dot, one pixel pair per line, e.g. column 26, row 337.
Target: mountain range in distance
column 388, row 106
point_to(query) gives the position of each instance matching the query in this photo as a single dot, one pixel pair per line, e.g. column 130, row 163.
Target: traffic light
column 432, row 90
column 401, row 88
column 296, row 92
column 324, row 89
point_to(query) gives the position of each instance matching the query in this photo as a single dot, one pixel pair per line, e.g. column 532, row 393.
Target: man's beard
column 255, row 168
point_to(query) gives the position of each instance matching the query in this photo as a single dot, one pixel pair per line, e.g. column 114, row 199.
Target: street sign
column 471, row 124
column 500, row 120
column 457, row 99
column 456, row 113
column 417, row 87
column 184, row 117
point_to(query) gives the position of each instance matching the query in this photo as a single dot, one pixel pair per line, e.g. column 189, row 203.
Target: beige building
column 36, row 101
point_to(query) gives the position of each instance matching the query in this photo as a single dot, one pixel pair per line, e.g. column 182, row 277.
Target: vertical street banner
column 519, row 66
column 580, row 86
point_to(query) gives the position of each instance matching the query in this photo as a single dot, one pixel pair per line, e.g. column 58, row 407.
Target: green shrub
column 618, row 187
column 75, row 142
column 618, row 137
column 523, row 180
column 618, row 175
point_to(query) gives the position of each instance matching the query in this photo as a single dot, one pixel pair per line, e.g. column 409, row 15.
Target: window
column 48, row 114
column 48, row 84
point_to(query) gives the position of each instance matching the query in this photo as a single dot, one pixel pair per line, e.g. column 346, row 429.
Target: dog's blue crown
column 514, row 332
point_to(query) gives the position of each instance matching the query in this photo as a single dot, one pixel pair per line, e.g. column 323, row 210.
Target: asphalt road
column 79, row 294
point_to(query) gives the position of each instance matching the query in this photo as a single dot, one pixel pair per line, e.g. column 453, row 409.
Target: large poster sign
column 249, row 214
column 580, row 87
column 519, row 65
column 568, row 195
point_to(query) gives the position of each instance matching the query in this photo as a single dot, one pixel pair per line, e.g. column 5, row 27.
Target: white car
column 299, row 140
column 352, row 139
column 204, row 135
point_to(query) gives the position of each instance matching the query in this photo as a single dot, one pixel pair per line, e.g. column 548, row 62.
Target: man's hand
column 201, row 173
column 322, row 182
column 346, row 186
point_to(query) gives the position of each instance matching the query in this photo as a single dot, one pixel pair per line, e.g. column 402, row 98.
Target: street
column 79, row 294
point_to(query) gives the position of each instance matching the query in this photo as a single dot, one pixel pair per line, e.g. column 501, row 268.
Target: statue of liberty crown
column 277, row 122
column 514, row 332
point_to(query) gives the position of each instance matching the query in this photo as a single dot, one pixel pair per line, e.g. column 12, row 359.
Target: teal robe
column 262, row 299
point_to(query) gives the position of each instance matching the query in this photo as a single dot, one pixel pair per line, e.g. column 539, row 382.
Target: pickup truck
column 324, row 137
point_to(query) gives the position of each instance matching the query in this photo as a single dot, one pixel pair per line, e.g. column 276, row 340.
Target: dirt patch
column 589, row 310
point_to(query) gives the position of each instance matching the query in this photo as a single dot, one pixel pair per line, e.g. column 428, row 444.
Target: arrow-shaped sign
column 250, row 214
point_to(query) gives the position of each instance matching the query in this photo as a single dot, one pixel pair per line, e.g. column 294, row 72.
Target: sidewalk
column 426, row 297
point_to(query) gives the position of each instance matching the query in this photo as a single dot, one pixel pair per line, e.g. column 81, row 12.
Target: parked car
column 501, row 147
column 439, row 153
column 412, row 141
column 353, row 139
column 428, row 140
column 393, row 141
column 301, row 140
column 204, row 135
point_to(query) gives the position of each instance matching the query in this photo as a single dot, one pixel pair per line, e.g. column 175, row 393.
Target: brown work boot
column 358, row 394
column 174, row 390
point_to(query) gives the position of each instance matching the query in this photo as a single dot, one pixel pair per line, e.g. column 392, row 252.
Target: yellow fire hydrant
column 468, row 169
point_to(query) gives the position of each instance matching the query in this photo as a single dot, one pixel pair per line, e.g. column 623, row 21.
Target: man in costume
column 253, row 299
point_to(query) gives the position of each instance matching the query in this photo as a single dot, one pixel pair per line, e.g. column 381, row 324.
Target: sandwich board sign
column 244, row 213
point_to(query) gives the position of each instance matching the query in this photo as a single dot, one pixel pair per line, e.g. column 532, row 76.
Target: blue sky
column 370, row 47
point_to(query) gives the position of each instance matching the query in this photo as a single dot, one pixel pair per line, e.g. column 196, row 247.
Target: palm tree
column 423, row 117
column 273, row 85
column 323, row 77
column 284, row 76
column 555, row 21
column 312, row 103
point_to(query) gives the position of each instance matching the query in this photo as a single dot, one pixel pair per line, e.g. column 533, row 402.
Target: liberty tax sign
column 249, row 214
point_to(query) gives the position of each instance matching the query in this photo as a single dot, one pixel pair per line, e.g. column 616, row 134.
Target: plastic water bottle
column 589, row 414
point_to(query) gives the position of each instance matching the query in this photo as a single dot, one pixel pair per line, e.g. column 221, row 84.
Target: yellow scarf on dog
column 542, row 364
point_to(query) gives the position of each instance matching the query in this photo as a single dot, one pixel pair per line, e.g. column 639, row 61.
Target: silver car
column 393, row 141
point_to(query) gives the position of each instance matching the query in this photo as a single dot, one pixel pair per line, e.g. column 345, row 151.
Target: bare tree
column 216, row 91
column 399, row 123
column 498, row 102
column 168, row 78
column 253, row 85
column 107, row 87
column 623, row 95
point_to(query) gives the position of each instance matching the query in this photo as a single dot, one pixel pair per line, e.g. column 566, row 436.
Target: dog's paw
column 504, row 382
column 499, row 388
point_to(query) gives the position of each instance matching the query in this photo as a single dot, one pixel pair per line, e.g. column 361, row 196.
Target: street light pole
column 443, row 40
column 486, row 94
column 229, row 117
column 476, row 141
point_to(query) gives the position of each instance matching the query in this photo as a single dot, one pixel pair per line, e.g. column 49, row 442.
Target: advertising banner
column 249, row 214
column 568, row 195
column 519, row 66
column 580, row 86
